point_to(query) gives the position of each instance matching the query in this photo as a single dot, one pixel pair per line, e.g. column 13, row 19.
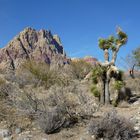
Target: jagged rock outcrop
column 31, row 44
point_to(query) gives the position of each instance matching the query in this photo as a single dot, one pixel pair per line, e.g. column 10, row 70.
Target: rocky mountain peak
column 39, row 45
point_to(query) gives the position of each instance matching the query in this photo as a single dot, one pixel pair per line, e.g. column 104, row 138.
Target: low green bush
column 95, row 91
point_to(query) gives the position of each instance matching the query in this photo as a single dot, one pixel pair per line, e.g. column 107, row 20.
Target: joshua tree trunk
column 107, row 94
column 106, row 97
column 106, row 55
column 102, row 96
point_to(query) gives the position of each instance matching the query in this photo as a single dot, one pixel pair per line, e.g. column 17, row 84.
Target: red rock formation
column 31, row 44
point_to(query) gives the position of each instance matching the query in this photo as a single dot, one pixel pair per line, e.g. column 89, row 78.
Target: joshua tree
column 132, row 62
column 107, row 69
column 136, row 59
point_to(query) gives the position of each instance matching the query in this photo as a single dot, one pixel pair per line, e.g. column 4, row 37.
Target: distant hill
column 89, row 59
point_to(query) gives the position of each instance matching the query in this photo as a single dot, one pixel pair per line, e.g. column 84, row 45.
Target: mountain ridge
column 39, row 45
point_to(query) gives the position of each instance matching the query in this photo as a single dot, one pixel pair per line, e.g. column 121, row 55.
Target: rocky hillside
column 31, row 44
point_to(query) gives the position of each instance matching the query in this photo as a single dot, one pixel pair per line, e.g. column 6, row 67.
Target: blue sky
column 79, row 23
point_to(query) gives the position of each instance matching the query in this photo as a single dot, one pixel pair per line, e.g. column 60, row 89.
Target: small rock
column 5, row 133
column 93, row 137
column 82, row 138
column 136, row 128
column 34, row 128
column 27, row 132
column 18, row 130
column 136, row 103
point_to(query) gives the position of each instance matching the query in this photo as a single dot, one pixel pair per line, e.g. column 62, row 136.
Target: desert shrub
column 76, row 97
column 56, row 113
column 18, row 110
column 3, row 94
column 112, row 127
column 11, row 117
column 120, row 75
column 97, row 73
column 52, row 109
column 63, row 107
column 27, row 102
column 119, row 94
column 10, row 76
column 118, row 84
column 95, row 91
column 52, row 113
column 124, row 94
column 5, row 89
column 5, row 110
column 40, row 74
column 80, row 69
column 2, row 81
column 13, row 110
column 52, row 120
column 133, row 84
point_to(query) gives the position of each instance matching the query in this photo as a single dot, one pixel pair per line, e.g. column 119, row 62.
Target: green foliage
column 95, row 91
column 104, row 44
column 111, row 42
column 114, row 103
column 111, row 39
column 113, row 48
column 97, row 72
column 118, row 84
column 2, row 81
column 119, row 76
column 80, row 69
column 122, row 37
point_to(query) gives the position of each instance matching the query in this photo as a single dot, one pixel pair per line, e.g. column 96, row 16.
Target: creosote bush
column 11, row 116
column 95, row 91
column 40, row 74
column 112, row 127
column 57, row 111
column 54, row 119
column 51, row 121
column 80, row 69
